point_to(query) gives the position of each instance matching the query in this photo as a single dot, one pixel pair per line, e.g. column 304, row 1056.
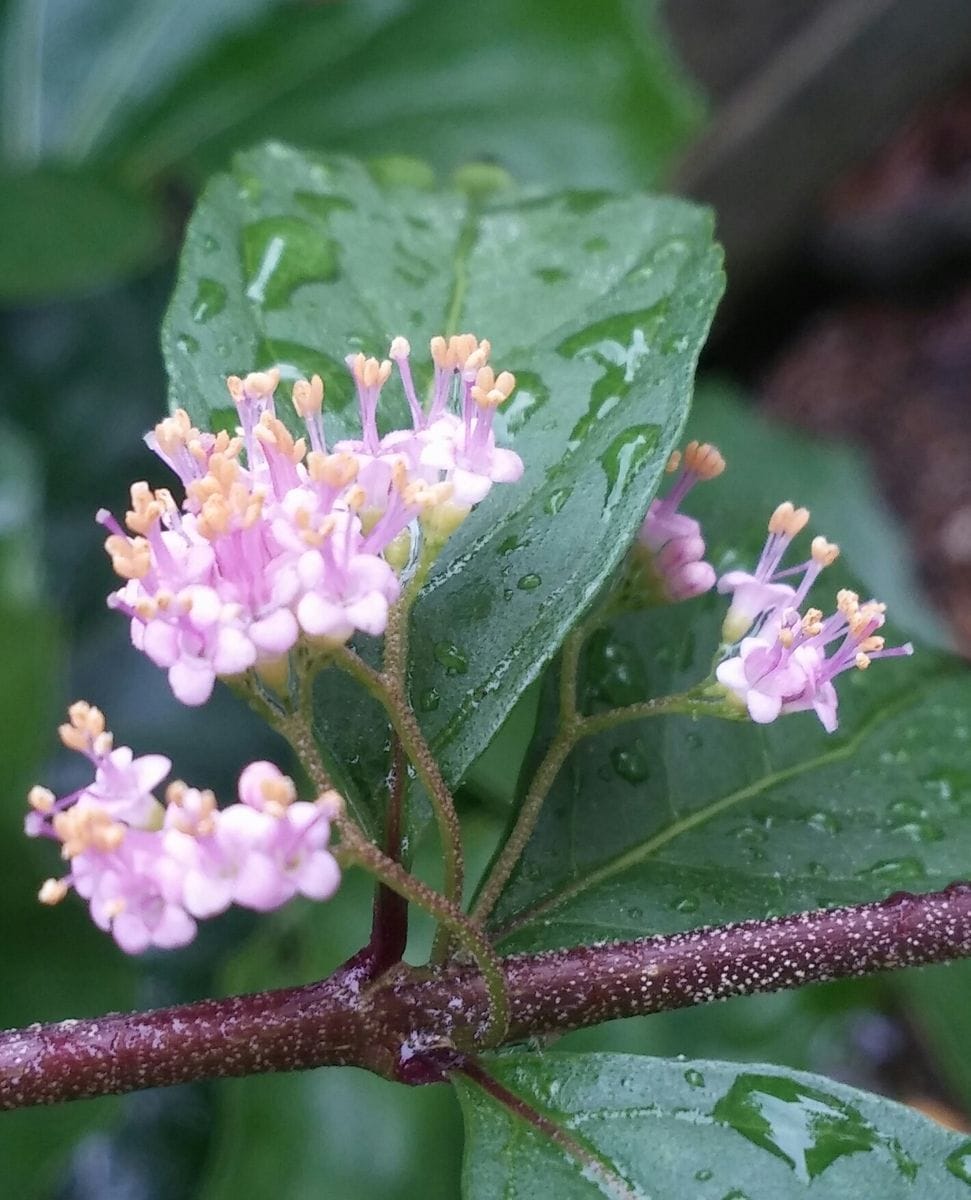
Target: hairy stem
column 339, row 1022
column 395, row 701
column 298, row 731
column 572, row 730
column 355, row 847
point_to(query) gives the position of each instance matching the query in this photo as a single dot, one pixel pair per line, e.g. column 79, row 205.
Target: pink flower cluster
column 673, row 538
column 148, row 871
column 299, row 541
column 784, row 666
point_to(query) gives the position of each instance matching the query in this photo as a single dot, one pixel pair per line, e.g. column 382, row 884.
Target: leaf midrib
column 650, row 846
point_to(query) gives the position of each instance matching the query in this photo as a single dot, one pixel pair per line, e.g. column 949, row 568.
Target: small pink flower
column 149, row 886
column 786, row 668
column 760, row 597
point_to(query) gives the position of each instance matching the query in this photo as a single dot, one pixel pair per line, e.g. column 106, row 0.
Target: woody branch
column 404, row 1024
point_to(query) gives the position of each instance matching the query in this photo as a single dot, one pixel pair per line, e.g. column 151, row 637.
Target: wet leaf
column 598, row 303
column 669, row 823
column 670, row 1129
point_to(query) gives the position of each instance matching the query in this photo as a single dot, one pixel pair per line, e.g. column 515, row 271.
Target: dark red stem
column 389, row 922
column 395, row 1025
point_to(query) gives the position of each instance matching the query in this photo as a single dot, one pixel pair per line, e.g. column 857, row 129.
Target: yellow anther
column 873, row 643
column 439, row 352
column 103, row 743
column 145, row 509
column 788, row 519
column 674, row 461
column 87, row 827
column 356, row 496
column 369, row 372
column 213, row 520
column 400, row 348
column 256, row 385
column 146, row 608
column 786, row 637
column 462, row 352
column 175, row 433
column 704, row 460
column 272, row 432
column 278, row 794
column 85, row 724
column 862, row 660
column 334, row 470
column 847, row 602
column 52, row 891
column 40, row 799
column 491, row 390
column 812, row 622
column 131, row 558
column 308, row 397
column 823, row 552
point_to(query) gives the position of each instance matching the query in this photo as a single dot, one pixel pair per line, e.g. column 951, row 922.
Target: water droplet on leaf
column 804, row 1126
column 210, row 300
column 630, row 763
column 282, row 253
column 451, row 658
column 958, row 1162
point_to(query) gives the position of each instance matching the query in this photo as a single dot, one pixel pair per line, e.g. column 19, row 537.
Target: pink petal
column 207, row 895
column 507, row 466
column 470, row 487
column 131, row 933
column 369, row 614
column 191, row 681
column 323, row 618
column 235, row 653
column 160, row 641
column 318, row 876
column 762, row 708
column 175, row 928
column 276, row 633
column 251, row 782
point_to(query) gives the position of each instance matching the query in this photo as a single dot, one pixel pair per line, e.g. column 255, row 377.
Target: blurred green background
column 834, row 140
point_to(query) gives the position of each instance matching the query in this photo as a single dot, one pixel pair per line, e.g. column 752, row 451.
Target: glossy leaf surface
column 599, row 304
column 670, row 1129
column 668, row 823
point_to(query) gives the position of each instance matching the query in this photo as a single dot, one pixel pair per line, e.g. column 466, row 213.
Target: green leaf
column 668, row 823
column 73, row 70
column 581, row 95
column 74, row 230
column 598, row 303
column 666, row 1129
